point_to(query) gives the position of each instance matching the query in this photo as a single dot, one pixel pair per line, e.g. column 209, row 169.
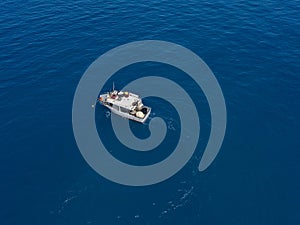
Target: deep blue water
column 253, row 49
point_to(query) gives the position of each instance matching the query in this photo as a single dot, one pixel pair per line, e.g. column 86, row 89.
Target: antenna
column 113, row 86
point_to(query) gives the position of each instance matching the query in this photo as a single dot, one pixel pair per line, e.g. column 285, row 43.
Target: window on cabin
column 116, row 107
column 124, row 110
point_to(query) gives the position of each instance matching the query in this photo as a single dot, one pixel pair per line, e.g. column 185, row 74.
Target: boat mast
column 113, row 86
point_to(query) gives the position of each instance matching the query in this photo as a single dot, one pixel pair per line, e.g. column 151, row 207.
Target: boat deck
column 129, row 102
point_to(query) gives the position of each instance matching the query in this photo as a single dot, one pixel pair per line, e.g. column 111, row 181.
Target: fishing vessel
column 125, row 104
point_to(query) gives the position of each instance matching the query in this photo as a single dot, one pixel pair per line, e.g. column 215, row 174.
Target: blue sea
column 252, row 47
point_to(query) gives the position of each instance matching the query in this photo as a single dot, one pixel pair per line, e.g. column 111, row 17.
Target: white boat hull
column 127, row 105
